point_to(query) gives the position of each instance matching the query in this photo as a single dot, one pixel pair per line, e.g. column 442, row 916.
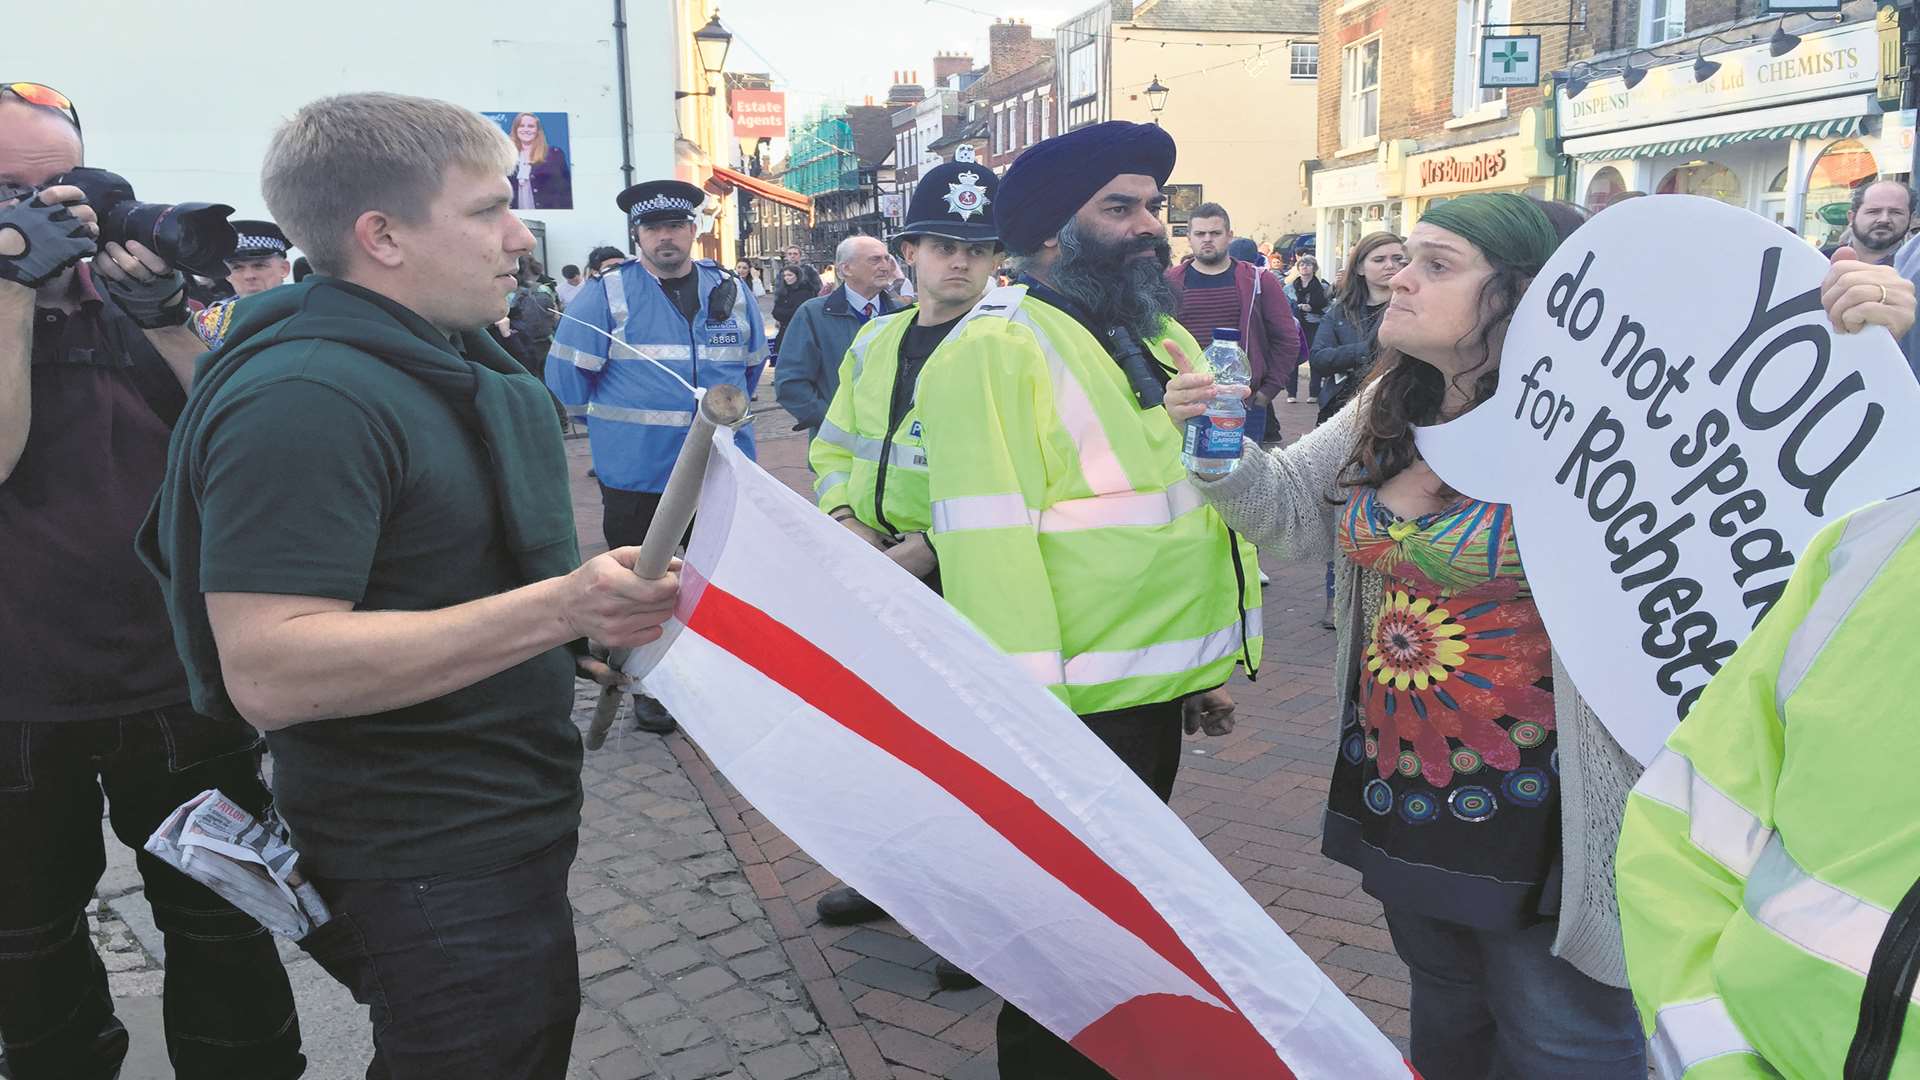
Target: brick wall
column 1012, row 48
column 1417, row 60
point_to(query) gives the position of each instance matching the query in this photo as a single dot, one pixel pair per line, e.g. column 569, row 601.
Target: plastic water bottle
column 1213, row 438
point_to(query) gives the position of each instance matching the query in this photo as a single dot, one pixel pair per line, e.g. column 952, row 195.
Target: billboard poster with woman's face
column 541, row 175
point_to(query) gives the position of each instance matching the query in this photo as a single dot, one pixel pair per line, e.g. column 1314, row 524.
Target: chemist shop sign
column 1824, row 65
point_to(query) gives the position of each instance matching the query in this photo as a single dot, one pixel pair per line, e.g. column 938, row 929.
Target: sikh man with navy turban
column 1057, row 489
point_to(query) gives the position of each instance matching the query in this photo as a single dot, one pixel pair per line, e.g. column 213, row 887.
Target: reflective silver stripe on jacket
column 1099, row 462
column 1165, row 658
column 1717, row 825
column 1139, row 508
column 1689, row 1033
column 1871, row 537
column 900, row 456
column 859, row 349
column 652, row 417
column 648, row 351
column 820, row 487
column 982, row 512
column 1121, row 510
column 1820, row 918
column 616, row 299
column 585, row 361
column 726, row 353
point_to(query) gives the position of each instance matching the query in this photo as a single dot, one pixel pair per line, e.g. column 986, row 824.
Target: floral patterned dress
column 1445, row 794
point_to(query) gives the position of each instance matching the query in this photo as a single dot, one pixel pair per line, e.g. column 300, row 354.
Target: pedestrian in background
column 817, row 338
column 1343, row 347
column 1877, row 220
column 1310, row 297
column 790, row 290
column 791, row 258
column 602, row 259
column 750, row 279
column 1212, row 288
column 569, row 286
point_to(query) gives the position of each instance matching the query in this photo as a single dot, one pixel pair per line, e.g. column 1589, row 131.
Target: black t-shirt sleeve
column 296, row 479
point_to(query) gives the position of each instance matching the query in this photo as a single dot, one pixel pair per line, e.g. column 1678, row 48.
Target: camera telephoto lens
column 192, row 236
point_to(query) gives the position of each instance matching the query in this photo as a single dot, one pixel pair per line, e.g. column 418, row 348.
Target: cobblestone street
column 700, row 952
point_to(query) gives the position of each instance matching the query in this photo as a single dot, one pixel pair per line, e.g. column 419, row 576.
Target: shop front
column 1787, row 137
column 1347, row 205
column 1517, row 163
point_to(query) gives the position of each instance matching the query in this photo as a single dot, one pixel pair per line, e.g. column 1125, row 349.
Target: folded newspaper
column 250, row 863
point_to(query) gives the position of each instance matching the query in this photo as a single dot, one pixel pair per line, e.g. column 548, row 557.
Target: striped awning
column 1841, row 128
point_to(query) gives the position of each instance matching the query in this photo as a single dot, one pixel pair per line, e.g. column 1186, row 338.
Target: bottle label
column 1215, row 436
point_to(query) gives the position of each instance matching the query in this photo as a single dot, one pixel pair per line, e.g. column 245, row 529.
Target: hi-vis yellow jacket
column 1765, row 848
column 861, row 461
column 1063, row 519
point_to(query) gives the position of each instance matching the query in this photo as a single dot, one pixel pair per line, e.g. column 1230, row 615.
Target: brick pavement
column 1254, row 798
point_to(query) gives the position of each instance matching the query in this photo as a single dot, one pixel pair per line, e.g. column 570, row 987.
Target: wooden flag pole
column 721, row 407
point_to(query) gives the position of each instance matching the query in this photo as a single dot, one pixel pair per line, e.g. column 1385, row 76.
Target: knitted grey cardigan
column 1280, row 501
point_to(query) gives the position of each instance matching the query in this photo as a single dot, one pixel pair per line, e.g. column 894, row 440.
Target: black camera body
column 193, row 236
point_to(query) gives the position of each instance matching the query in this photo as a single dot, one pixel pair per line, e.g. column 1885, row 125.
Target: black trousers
column 228, row 1011
column 464, row 975
column 1147, row 738
column 625, row 515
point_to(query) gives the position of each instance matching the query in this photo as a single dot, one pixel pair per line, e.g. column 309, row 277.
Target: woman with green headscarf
column 1473, row 790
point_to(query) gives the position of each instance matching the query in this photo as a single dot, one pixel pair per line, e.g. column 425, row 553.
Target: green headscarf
column 1509, row 229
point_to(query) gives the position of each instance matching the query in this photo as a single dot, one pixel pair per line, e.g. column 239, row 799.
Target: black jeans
column 1147, row 738
column 464, row 975
column 228, row 1009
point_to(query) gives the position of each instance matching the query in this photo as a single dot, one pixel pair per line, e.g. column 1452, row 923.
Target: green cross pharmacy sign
column 1509, row 60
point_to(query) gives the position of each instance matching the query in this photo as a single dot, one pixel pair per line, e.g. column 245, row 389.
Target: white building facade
column 202, row 138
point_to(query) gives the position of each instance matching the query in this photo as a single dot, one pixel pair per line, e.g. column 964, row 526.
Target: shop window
column 1360, row 104
column 1708, row 178
column 1605, row 187
column 1662, row 20
column 1773, row 205
column 1470, row 27
column 1836, row 172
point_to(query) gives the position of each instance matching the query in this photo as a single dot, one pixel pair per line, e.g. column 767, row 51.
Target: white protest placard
column 1676, row 418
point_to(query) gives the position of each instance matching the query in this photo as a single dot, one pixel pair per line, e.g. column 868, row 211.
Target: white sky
column 842, row 52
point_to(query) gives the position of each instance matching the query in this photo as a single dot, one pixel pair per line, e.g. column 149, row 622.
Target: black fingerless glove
column 152, row 305
column 55, row 240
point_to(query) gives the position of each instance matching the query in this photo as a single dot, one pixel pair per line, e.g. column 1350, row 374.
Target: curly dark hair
column 1402, row 393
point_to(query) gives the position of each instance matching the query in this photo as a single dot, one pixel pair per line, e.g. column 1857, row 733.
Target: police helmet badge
column 966, row 198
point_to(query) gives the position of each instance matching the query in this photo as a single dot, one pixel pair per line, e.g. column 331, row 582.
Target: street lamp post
column 712, row 42
column 1156, row 98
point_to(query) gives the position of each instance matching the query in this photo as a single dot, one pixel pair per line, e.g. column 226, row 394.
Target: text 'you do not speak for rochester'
column 1676, row 418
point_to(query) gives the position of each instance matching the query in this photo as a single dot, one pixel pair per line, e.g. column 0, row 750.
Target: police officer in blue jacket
column 630, row 340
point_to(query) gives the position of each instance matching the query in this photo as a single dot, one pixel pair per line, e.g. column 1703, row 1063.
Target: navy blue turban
column 1048, row 184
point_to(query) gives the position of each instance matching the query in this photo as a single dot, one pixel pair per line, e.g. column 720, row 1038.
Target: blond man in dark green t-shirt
column 366, row 540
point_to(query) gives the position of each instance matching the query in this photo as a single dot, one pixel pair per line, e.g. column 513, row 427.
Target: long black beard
column 1112, row 287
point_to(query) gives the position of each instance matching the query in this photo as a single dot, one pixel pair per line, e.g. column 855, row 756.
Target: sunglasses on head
column 44, row 96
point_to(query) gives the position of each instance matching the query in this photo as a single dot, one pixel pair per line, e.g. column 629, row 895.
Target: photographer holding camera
column 95, row 355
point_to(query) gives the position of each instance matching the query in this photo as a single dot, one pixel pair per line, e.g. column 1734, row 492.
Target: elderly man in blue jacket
column 816, row 340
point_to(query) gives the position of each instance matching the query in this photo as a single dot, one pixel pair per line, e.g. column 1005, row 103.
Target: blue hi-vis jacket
column 637, row 416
